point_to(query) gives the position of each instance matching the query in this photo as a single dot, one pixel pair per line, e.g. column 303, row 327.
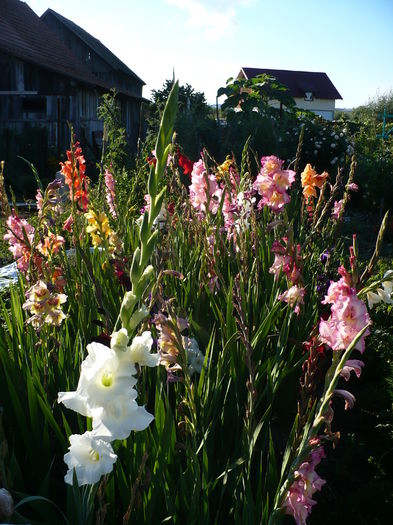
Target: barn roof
column 24, row 35
column 95, row 44
column 298, row 82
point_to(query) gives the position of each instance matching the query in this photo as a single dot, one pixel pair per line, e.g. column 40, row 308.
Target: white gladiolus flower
column 388, row 284
column 119, row 418
column 373, row 298
column 139, row 350
column 195, row 358
column 382, row 294
column 90, row 457
column 103, row 377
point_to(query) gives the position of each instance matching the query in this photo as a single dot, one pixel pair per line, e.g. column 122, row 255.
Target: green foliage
column 374, row 153
column 256, row 94
column 195, row 125
column 114, row 149
column 225, row 443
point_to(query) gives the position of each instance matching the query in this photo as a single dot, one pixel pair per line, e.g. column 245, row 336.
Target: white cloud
column 216, row 18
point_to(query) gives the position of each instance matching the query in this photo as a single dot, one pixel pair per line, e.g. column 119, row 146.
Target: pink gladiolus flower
column 110, row 193
column 39, row 198
column 67, row 226
column 348, row 316
column 352, row 186
column 298, row 502
column 287, row 259
column 50, row 245
column 204, row 190
column 282, row 263
column 20, row 237
column 352, row 365
column 337, row 209
column 294, row 297
column 272, row 183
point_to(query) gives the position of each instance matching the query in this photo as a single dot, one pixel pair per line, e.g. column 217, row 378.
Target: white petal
column 117, row 422
column 74, row 401
column 139, row 350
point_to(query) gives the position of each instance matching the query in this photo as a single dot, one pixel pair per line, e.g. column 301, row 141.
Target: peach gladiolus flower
column 311, row 180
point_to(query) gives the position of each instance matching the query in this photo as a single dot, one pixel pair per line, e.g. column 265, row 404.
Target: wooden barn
column 53, row 72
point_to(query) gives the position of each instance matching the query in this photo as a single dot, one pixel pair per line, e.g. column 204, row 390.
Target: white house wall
column 320, row 106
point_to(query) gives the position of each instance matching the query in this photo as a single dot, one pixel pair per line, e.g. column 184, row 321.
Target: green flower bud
column 119, row 340
column 138, row 317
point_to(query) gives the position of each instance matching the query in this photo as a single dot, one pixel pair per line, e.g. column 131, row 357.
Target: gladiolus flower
column 74, row 175
column 89, row 457
column 20, row 236
column 348, row 316
column 294, row 297
column 352, row 365
column 337, row 209
column 139, row 350
column 311, row 180
column 120, row 417
column 348, row 398
column 204, row 191
column 51, row 244
column 101, row 232
column 185, row 163
column 383, row 294
column 298, row 502
column 110, row 193
column 272, row 183
column 104, row 377
column 44, row 305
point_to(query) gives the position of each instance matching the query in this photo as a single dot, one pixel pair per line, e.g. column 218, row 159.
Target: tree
column 195, row 126
column 250, row 112
column 256, row 93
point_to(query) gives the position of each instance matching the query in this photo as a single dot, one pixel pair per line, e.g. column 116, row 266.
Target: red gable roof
column 298, row 82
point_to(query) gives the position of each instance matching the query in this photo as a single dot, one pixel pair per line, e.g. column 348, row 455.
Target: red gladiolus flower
column 185, row 163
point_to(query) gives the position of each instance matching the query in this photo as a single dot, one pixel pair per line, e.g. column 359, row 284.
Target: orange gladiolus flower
column 311, row 180
column 74, row 170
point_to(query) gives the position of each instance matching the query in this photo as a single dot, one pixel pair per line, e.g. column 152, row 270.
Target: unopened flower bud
column 138, row 317
column 6, row 504
column 119, row 340
column 127, row 306
column 129, row 301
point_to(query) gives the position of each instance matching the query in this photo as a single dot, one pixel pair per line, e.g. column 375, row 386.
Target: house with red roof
column 312, row 91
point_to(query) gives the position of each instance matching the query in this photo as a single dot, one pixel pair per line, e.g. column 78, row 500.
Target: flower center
column 107, row 379
column 94, row 455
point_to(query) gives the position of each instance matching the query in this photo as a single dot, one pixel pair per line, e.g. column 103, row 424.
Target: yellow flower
column 100, row 231
column 224, row 168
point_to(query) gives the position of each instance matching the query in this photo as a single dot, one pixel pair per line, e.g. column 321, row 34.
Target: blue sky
column 207, row 41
